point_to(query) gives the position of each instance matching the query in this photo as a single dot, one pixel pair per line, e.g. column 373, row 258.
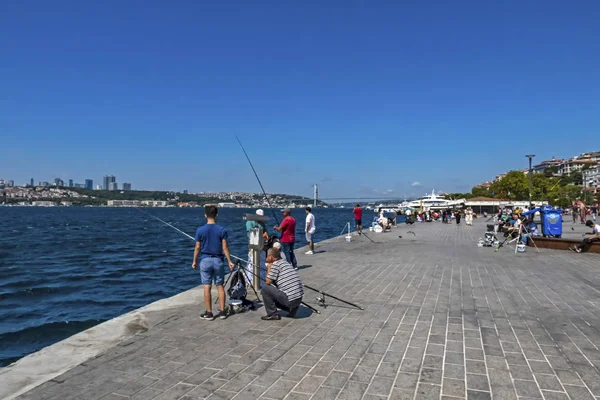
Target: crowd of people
column 446, row 216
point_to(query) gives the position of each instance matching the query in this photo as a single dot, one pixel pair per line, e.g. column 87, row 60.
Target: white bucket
column 370, row 229
column 521, row 248
column 348, row 238
column 236, row 305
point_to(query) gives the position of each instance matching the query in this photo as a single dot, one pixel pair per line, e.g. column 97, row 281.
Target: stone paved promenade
column 443, row 319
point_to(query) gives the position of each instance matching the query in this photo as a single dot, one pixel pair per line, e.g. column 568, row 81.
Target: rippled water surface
column 63, row 270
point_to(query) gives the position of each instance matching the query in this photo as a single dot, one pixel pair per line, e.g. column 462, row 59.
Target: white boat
column 435, row 202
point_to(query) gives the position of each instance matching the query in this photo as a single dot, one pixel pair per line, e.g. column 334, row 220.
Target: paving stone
column 309, row 384
column 474, row 395
column 402, row 394
column 454, row 371
column 453, row 387
column 521, row 372
column 380, row 386
column 410, row 365
column 478, row 382
column 476, row 367
column 250, row 392
column 578, row 392
column 426, row 391
column 554, row 395
column 429, row 375
column 353, row 391
column 527, row 389
column 176, row 392
column 337, row 379
column 279, row 389
column 454, row 358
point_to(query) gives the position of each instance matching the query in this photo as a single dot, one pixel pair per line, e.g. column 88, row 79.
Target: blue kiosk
column 551, row 220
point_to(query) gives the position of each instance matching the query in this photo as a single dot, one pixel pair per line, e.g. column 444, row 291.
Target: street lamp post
column 530, row 156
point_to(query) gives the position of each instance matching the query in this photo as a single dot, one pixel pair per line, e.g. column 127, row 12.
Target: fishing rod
column 232, row 256
column 320, row 300
column 258, row 179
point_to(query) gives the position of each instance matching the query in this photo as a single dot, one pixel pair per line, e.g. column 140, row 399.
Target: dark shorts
column 358, row 222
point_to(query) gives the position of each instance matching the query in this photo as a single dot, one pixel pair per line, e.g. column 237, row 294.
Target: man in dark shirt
column 358, row 218
column 288, row 236
column 211, row 246
column 283, row 289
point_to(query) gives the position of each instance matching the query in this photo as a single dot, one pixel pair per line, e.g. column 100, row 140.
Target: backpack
column 237, row 288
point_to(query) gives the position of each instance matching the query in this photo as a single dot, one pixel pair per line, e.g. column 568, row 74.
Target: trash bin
column 551, row 222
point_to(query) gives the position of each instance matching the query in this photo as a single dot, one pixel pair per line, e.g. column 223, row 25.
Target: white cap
column 260, row 212
column 277, row 245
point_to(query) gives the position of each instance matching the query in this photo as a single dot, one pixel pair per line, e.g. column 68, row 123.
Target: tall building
column 70, row 182
column 113, row 186
column 185, row 191
column 11, row 183
column 126, row 186
column 108, row 179
column 31, row 182
column 89, row 184
column 98, row 187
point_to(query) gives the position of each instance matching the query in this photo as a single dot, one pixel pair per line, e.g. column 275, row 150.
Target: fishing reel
column 321, row 301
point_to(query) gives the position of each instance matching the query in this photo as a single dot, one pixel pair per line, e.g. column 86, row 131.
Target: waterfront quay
column 443, row 319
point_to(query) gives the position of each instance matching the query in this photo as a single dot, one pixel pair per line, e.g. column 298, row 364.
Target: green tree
column 550, row 171
column 514, row 186
column 480, row 192
column 577, row 177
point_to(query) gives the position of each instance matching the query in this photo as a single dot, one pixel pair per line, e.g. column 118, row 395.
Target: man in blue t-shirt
column 211, row 246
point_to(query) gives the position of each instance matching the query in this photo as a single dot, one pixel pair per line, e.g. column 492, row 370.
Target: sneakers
column 310, row 252
column 210, row 317
column 222, row 315
column 274, row 317
column 207, row 316
column 575, row 249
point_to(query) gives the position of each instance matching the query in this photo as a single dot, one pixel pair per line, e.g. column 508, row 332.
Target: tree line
column 559, row 191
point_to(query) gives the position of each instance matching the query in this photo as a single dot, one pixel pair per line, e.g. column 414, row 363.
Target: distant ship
column 434, row 202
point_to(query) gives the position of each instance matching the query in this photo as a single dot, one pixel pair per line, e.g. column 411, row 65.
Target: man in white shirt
column 595, row 236
column 310, row 230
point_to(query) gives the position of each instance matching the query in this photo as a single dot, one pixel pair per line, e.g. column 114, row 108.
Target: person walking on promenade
column 263, row 255
column 469, row 216
column 582, row 212
column 358, row 218
column 211, row 246
column 458, row 215
column 575, row 212
column 283, row 289
column 594, row 210
column 288, row 236
column 309, row 230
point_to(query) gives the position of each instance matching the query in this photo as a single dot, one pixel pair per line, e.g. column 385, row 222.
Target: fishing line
column 232, row 256
column 258, row 179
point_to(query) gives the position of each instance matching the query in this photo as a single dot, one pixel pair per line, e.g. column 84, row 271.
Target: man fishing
column 262, row 262
column 288, row 236
column 283, row 289
column 358, row 218
column 211, row 247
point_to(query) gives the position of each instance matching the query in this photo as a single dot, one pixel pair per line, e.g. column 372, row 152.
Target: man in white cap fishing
column 263, row 255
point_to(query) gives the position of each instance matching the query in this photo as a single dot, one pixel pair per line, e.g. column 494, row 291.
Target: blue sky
column 363, row 98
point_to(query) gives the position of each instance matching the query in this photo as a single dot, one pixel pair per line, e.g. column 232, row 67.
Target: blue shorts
column 212, row 268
